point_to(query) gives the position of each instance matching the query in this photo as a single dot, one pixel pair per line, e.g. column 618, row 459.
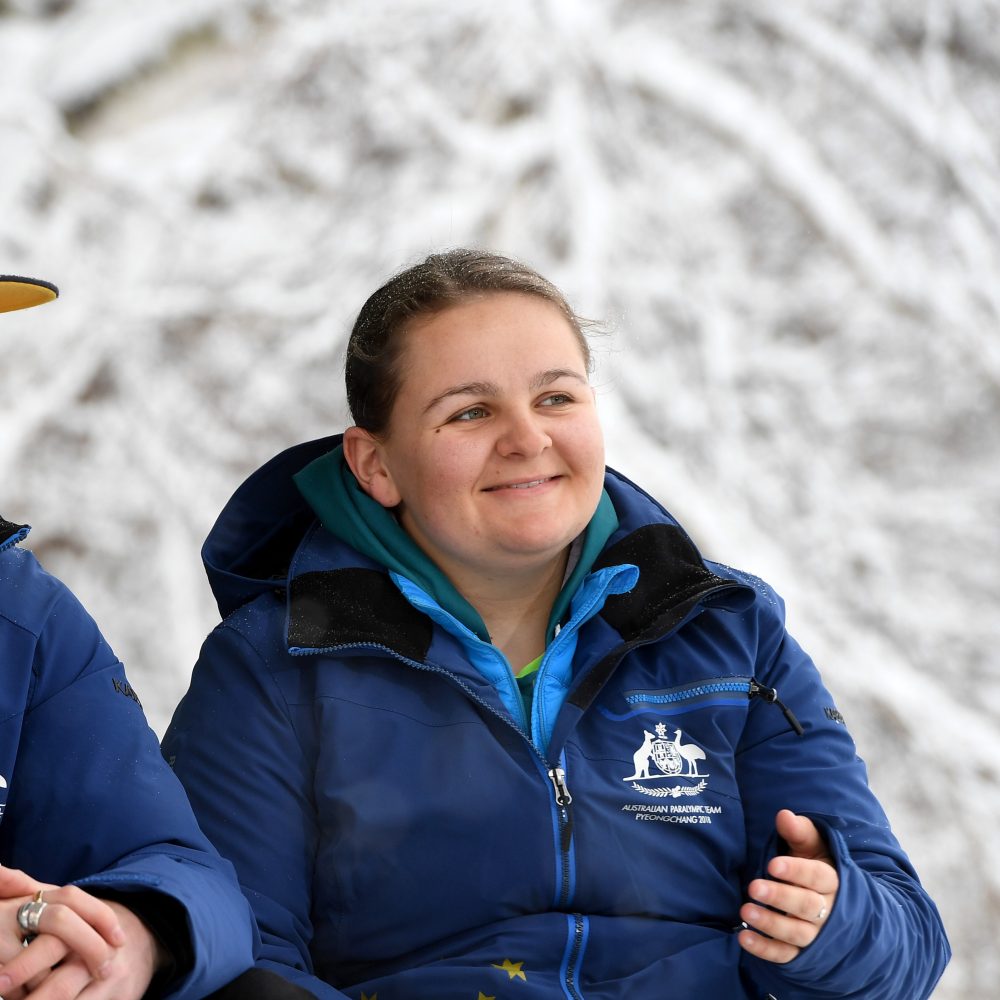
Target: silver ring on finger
column 821, row 916
column 28, row 915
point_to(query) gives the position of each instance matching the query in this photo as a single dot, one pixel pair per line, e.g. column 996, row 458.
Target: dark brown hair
column 372, row 371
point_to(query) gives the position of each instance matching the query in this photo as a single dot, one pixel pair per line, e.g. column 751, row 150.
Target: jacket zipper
column 722, row 686
column 770, row 695
column 558, row 778
column 751, row 687
column 569, row 979
column 564, row 799
column 556, row 773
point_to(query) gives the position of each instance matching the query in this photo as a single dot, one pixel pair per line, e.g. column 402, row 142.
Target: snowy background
column 787, row 214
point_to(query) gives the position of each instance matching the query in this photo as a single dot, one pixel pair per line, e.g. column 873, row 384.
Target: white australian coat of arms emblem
column 671, row 758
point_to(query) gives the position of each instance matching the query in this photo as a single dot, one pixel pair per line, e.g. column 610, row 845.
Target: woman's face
column 494, row 456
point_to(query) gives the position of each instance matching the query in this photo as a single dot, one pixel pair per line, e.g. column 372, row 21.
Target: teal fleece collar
column 348, row 513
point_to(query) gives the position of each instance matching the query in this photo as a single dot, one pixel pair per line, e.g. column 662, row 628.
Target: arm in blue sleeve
column 884, row 937
column 233, row 744
column 92, row 801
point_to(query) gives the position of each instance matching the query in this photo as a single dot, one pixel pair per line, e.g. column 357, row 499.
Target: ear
column 365, row 458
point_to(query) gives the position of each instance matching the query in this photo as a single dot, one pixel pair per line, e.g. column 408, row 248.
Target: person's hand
column 797, row 898
column 72, row 924
column 125, row 977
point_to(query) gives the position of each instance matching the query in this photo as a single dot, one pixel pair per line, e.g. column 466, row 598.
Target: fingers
column 67, row 982
column 93, row 911
column 801, row 834
column 818, row 876
column 72, row 921
column 786, row 911
column 769, row 949
column 791, row 917
column 14, row 882
column 801, row 902
column 130, row 971
column 44, row 952
column 125, row 976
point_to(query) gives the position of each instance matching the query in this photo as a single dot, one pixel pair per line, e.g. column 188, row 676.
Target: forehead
column 489, row 328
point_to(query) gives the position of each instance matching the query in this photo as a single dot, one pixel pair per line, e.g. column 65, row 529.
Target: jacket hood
column 250, row 547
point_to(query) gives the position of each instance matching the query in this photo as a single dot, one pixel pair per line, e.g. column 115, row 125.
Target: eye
column 556, row 399
column 472, row 413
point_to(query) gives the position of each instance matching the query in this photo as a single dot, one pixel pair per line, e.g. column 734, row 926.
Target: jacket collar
column 10, row 533
column 267, row 539
column 347, row 512
column 354, row 606
column 333, row 592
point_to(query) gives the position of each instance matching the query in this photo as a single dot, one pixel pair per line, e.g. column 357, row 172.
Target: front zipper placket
column 556, row 774
column 564, row 800
column 577, row 921
column 564, row 834
column 569, row 970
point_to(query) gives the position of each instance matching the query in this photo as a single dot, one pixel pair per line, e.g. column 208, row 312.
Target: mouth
column 527, row 484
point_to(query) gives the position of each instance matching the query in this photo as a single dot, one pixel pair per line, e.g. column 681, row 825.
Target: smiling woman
column 454, row 651
column 493, row 457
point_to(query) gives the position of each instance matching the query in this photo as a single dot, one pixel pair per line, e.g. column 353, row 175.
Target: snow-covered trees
column 788, row 214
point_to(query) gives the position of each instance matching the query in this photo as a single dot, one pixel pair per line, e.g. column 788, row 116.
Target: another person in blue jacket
column 480, row 721
column 86, row 798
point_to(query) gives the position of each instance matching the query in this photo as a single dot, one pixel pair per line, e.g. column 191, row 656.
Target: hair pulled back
column 374, row 351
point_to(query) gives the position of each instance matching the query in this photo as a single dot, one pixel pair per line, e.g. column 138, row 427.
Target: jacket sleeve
column 883, row 938
column 233, row 744
column 92, row 801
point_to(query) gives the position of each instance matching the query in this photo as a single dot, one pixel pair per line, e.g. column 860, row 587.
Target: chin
column 540, row 550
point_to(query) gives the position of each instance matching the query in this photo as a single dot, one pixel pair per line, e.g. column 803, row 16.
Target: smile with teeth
column 520, row 486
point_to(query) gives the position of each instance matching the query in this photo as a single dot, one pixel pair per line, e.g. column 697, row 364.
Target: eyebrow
column 538, row 381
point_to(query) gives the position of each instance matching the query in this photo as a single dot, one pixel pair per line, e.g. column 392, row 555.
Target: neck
column 516, row 609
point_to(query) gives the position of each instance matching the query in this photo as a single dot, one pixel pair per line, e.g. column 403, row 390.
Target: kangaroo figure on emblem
column 669, row 756
column 642, row 757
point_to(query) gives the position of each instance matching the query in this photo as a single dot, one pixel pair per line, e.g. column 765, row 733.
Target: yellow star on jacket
column 483, row 996
column 364, row 996
column 513, row 969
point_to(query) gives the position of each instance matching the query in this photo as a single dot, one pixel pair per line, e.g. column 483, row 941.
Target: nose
column 522, row 435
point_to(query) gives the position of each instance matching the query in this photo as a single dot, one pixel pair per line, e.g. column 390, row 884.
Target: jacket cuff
column 166, row 919
column 873, row 943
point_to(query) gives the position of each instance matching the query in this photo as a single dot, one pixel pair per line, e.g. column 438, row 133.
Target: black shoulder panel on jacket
column 349, row 606
column 672, row 578
column 8, row 529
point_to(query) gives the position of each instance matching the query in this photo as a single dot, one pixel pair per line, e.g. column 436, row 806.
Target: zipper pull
column 558, row 778
column 770, row 695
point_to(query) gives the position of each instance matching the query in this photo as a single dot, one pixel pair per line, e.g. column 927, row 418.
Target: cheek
column 446, row 469
column 586, row 447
